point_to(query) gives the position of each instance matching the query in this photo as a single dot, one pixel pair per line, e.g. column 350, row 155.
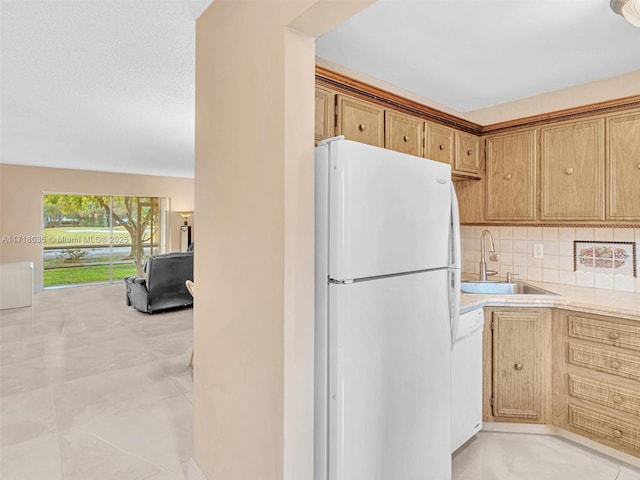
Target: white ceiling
column 99, row 84
column 473, row 54
column 109, row 84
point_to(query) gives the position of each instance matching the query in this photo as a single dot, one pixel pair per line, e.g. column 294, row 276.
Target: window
column 99, row 239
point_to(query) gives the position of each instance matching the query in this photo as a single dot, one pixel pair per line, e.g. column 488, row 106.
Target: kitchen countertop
column 582, row 299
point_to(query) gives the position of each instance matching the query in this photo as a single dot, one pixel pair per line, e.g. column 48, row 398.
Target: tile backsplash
column 515, row 253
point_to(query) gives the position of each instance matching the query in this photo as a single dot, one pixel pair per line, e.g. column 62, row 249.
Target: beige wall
column 22, row 187
column 254, row 314
column 621, row 86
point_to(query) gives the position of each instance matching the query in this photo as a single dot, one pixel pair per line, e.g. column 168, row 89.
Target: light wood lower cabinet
column 596, row 378
column 517, row 353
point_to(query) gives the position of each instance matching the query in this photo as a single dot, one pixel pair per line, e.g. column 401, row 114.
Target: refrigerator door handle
column 455, row 260
column 454, row 303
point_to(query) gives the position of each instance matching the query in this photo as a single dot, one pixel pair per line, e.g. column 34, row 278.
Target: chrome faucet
column 483, row 254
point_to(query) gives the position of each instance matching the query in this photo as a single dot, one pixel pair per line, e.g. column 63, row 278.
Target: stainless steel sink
column 503, row 288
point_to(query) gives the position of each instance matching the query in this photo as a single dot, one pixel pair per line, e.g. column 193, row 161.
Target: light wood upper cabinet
column 521, row 364
column 440, row 144
column 623, row 167
column 360, row 121
column 572, row 171
column 403, row 133
column 511, row 176
column 467, row 156
column 324, row 113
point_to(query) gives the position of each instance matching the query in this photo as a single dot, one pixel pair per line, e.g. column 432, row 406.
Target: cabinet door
column 403, row 133
column 572, row 171
column 360, row 121
column 324, row 113
column 467, row 156
column 439, row 143
column 511, row 176
column 518, row 369
column 623, row 167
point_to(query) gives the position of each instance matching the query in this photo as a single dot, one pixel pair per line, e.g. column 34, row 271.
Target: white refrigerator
column 387, row 301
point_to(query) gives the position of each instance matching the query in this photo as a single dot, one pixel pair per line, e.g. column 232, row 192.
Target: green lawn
column 91, row 274
column 70, row 236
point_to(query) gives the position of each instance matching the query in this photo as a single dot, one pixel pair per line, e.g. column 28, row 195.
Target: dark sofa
column 163, row 287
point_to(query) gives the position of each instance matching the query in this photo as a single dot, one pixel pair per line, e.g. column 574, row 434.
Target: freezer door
column 390, row 379
column 388, row 212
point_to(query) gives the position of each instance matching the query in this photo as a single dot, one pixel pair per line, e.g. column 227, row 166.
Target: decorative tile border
column 605, row 257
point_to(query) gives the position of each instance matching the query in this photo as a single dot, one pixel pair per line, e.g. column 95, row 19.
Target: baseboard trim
column 559, row 432
column 193, row 471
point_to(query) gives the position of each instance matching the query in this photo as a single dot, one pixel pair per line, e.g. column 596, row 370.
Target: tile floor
column 93, row 390
column 513, row 456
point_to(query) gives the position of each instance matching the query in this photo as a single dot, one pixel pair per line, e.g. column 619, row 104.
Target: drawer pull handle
column 617, row 433
column 617, row 399
column 362, row 127
column 614, row 335
column 518, row 366
column 405, row 138
column 469, row 152
column 569, row 171
column 507, row 176
column 615, row 365
column 441, row 147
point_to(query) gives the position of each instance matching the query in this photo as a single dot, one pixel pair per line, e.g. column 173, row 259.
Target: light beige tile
column 160, row 434
column 36, row 459
column 504, row 456
column 603, row 234
column 584, row 234
column 623, row 234
column 566, row 234
column 27, row 416
column 628, row 473
column 550, row 275
column 550, row 234
column 82, row 400
column 519, row 233
column 175, row 473
column 86, row 456
column 534, row 233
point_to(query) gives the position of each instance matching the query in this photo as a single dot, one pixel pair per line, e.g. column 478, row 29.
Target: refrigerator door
column 389, row 402
column 388, row 212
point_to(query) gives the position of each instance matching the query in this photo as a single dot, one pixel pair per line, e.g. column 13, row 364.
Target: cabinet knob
column 617, row 433
column 518, row 366
column 469, row 152
column 405, row 138
column 616, row 399
column 614, row 335
column 507, row 176
column 362, row 127
column 441, row 147
column 569, row 171
column 615, row 365
column 639, row 166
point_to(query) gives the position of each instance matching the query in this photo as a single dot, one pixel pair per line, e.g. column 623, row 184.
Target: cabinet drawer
column 605, row 394
column 605, row 427
column 620, row 364
column 618, row 335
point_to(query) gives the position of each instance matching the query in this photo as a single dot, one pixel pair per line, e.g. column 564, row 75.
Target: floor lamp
column 185, row 231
